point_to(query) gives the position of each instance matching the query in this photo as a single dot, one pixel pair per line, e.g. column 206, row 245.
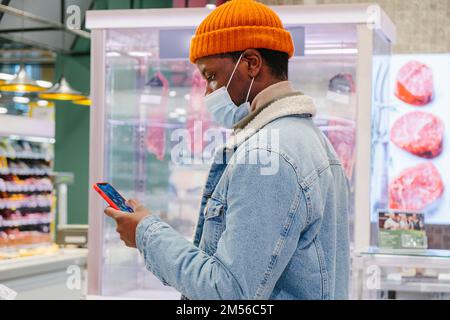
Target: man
column 403, row 222
column 411, row 222
column 392, row 223
column 280, row 233
column 417, row 223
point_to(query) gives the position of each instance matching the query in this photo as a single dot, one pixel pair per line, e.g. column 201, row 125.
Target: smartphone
column 112, row 196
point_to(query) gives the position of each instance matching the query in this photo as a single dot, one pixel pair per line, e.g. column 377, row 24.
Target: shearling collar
column 264, row 98
column 293, row 104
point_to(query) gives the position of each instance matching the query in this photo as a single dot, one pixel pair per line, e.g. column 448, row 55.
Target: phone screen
column 114, row 196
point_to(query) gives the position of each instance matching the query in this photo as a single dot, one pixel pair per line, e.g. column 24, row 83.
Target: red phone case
column 104, row 196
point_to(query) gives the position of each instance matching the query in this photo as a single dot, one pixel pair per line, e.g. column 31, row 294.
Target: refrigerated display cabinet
column 144, row 89
column 415, row 275
column 27, row 195
column 419, row 174
column 32, row 266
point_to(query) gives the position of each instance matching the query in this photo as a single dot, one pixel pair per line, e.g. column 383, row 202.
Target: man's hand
column 127, row 222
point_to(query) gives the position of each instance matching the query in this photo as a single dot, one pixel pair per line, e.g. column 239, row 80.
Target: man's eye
column 210, row 78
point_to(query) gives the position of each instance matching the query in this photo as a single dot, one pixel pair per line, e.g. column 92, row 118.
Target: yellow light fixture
column 41, row 103
column 61, row 91
column 21, row 83
column 85, row 101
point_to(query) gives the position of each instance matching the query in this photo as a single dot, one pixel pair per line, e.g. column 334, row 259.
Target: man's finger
column 133, row 203
column 113, row 213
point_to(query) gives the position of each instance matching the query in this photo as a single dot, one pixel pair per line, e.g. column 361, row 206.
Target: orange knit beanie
column 238, row 25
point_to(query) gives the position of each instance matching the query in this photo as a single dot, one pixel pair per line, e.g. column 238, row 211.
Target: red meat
column 198, row 118
column 341, row 134
column 415, row 188
column 157, row 117
column 419, row 133
column 415, row 84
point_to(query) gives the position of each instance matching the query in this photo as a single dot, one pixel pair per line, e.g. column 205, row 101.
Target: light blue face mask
column 223, row 109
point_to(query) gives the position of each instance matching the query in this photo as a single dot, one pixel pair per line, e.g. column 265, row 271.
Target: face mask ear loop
column 235, row 67
column 250, row 89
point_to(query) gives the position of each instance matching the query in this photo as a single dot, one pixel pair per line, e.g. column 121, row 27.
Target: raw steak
column 416, row 187
column 198, row 118
column 157, row 117
column 341, row 134
column 415, row 84
column 420, row 133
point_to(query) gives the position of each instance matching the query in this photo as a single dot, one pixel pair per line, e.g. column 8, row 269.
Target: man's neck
column 271, row 91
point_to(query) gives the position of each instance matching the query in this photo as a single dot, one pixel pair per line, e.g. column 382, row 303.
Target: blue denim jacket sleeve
column 265, row 215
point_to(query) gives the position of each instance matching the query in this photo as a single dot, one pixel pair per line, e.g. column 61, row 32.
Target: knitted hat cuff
column 240, row 38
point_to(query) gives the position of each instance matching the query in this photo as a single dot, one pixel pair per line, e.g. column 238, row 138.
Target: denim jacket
column 273, row 220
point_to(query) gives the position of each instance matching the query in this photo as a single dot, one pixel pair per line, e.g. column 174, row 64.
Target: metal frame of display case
column 367, row 19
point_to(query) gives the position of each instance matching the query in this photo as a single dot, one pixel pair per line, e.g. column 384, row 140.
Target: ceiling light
column 140, row 54
column 330, row 51
column 61, row 91
column 86, row 101
column 113, row 54
column 44, row 84
column 21, row 83
column 21, row 99
column 180, row 111
column 41, row 103
column 6, row 76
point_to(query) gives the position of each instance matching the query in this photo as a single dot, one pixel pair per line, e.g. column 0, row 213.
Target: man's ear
column 254, row 61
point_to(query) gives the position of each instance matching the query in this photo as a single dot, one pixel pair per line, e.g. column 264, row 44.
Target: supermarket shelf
column 26, row 188
column 24, row 222
column 27, row 192
column 26, row 172
column 26, row 156
column 34, row 227
column 25, row 209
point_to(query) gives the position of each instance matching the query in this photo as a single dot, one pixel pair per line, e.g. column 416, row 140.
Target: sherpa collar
column 294, row 104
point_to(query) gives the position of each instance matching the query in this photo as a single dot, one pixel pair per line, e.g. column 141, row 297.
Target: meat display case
column 379, row 274
column 146, row 96
column 419, row 177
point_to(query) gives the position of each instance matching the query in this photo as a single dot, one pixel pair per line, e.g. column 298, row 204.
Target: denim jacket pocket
column 214, row 225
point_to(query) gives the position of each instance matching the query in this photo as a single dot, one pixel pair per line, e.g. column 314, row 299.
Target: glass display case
column 411, row 144
column 380, row 274
column 152, row 137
